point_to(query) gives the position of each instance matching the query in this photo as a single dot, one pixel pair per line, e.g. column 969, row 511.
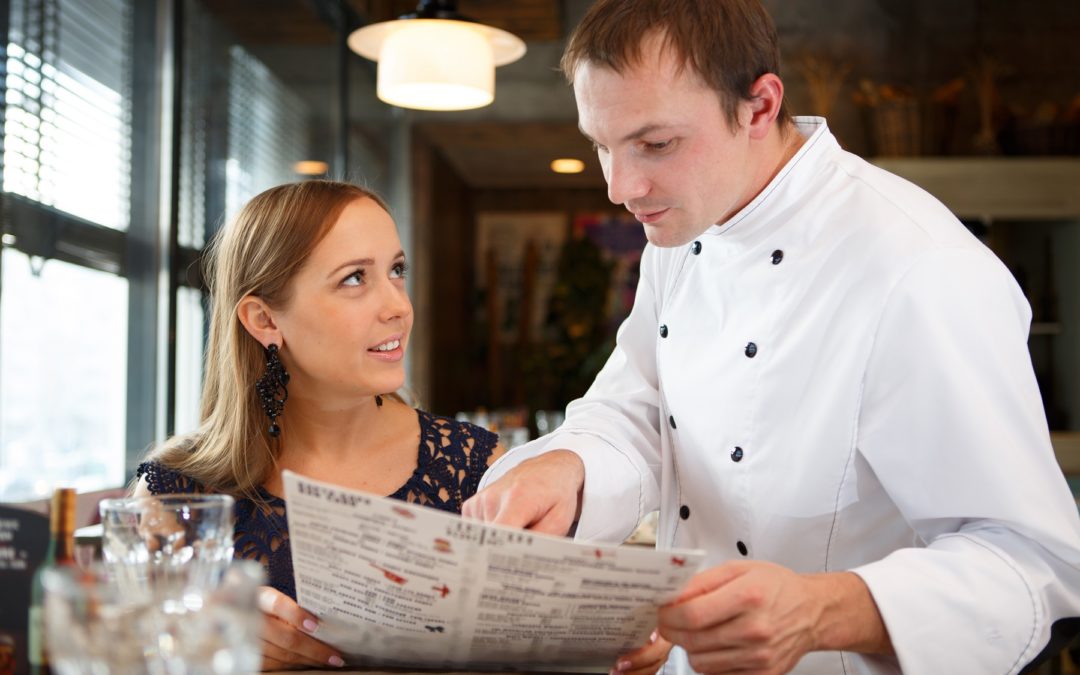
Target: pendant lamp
column 436, row 59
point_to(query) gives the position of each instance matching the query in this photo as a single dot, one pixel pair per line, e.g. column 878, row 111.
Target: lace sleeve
column 478, row 444
column 161, row 480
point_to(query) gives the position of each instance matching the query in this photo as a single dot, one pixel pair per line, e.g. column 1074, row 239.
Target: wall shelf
column 1045, row 328
column 1067, row 448
column 996, row 188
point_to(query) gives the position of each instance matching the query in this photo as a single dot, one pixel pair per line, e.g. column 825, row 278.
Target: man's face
column 665, row 146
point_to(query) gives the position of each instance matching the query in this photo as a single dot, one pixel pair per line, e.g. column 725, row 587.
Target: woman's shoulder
column 454, row 455
column 457, row 433
column 162, row 479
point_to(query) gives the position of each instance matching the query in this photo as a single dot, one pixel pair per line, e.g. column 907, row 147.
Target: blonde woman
column 308, row 333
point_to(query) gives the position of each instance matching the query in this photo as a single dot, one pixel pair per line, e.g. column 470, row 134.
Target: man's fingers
column 711, row 579
column 713, row 597
column 542, row 494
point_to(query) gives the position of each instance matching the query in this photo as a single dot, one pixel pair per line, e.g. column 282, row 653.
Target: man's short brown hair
column 728, row 43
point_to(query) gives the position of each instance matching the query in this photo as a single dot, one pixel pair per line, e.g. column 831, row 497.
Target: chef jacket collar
column 798, row 176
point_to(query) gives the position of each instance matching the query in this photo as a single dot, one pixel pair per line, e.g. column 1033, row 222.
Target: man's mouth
column 646, row 217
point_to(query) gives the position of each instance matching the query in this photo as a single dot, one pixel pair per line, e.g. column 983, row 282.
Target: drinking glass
column 95, row 626
column 167, row 544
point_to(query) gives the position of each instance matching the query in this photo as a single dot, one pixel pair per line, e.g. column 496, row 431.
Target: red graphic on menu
column 599, row 554
column 678, row 562
column 443, row 545
column 442, row 590
column 396, row 578
column 403, row 512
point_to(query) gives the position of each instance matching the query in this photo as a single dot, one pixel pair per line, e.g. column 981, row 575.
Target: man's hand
column 541, row 494
column 762, row 618
column 646, row 660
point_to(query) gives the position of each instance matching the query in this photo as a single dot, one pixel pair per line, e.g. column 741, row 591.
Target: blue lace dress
column 453, row 456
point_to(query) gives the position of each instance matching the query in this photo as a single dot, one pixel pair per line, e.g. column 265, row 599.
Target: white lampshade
column 436, row 64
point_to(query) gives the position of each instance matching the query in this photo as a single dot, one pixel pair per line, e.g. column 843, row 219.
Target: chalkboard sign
column 24, row 536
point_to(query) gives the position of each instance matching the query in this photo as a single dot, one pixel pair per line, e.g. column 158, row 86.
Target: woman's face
column 347, row 321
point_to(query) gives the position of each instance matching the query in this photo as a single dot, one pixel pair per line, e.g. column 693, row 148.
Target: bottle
column 61, row 551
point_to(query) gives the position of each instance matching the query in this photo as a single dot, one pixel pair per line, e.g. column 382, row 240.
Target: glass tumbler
column 166, row 545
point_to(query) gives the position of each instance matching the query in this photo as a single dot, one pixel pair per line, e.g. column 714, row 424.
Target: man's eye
column 354, row 279
column 660, row 145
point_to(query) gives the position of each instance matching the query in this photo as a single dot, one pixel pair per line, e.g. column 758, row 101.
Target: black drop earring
column 271, row 388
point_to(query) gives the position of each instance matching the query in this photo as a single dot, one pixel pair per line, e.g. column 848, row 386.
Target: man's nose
column 626, row 182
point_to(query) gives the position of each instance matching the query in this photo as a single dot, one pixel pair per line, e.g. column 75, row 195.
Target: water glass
column 94, row 626
column 167, row 544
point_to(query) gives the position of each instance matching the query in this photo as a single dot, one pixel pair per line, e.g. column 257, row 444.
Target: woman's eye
column 354, row 279
column 399, row 270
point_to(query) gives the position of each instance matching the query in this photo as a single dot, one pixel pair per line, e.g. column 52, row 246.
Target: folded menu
column 397, row 584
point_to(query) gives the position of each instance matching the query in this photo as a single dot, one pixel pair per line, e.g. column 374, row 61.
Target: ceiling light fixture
column 567, row 165
column 435, row 58
column 311, row 167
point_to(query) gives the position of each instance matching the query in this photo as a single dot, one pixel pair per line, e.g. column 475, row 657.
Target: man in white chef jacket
column 824, row 382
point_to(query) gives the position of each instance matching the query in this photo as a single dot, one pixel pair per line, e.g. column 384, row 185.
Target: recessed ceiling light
column 311, row 167
column 567, row 165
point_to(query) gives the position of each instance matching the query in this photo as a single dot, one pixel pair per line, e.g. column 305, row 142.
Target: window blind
column 67, row 127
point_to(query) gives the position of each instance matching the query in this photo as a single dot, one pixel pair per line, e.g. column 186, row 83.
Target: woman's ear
column 258, row 320
column 767, row 95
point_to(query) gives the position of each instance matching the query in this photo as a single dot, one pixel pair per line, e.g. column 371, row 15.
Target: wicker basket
column 895, row 128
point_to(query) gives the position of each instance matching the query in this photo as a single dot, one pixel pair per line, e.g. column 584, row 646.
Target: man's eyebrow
column 633, row 135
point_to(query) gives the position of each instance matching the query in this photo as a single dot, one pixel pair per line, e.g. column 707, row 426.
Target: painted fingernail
column 622, row 665
column 655, row 634
column 335, row 661
column 310, row 625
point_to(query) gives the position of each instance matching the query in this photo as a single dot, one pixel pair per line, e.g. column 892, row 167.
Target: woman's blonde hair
column 257, row 254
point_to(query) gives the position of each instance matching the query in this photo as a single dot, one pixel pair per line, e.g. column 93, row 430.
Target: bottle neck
column 61, row 549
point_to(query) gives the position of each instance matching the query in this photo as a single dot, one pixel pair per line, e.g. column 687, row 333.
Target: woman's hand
column 287, row 635
column 646, row 660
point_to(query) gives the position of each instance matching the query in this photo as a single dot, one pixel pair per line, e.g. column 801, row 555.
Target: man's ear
column 767, row 95
column 258, row 320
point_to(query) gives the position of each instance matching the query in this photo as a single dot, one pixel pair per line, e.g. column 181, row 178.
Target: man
column 824, row 382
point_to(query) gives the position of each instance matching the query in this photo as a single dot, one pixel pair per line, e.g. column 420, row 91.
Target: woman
column 307, row 338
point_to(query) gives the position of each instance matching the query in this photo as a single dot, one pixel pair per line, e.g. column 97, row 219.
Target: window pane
column 67, row 128
column 189, row 357
column 63, row 373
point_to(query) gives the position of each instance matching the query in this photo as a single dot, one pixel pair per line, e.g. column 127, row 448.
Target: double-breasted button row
column 751, row 349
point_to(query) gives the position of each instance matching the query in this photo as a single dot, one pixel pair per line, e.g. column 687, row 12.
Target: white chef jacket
column 837, row 378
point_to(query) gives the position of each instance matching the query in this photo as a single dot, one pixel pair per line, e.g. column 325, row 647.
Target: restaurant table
column 583, row 671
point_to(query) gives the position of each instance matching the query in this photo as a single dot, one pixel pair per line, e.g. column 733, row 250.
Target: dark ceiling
column 486, row 154
column 308, row 22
